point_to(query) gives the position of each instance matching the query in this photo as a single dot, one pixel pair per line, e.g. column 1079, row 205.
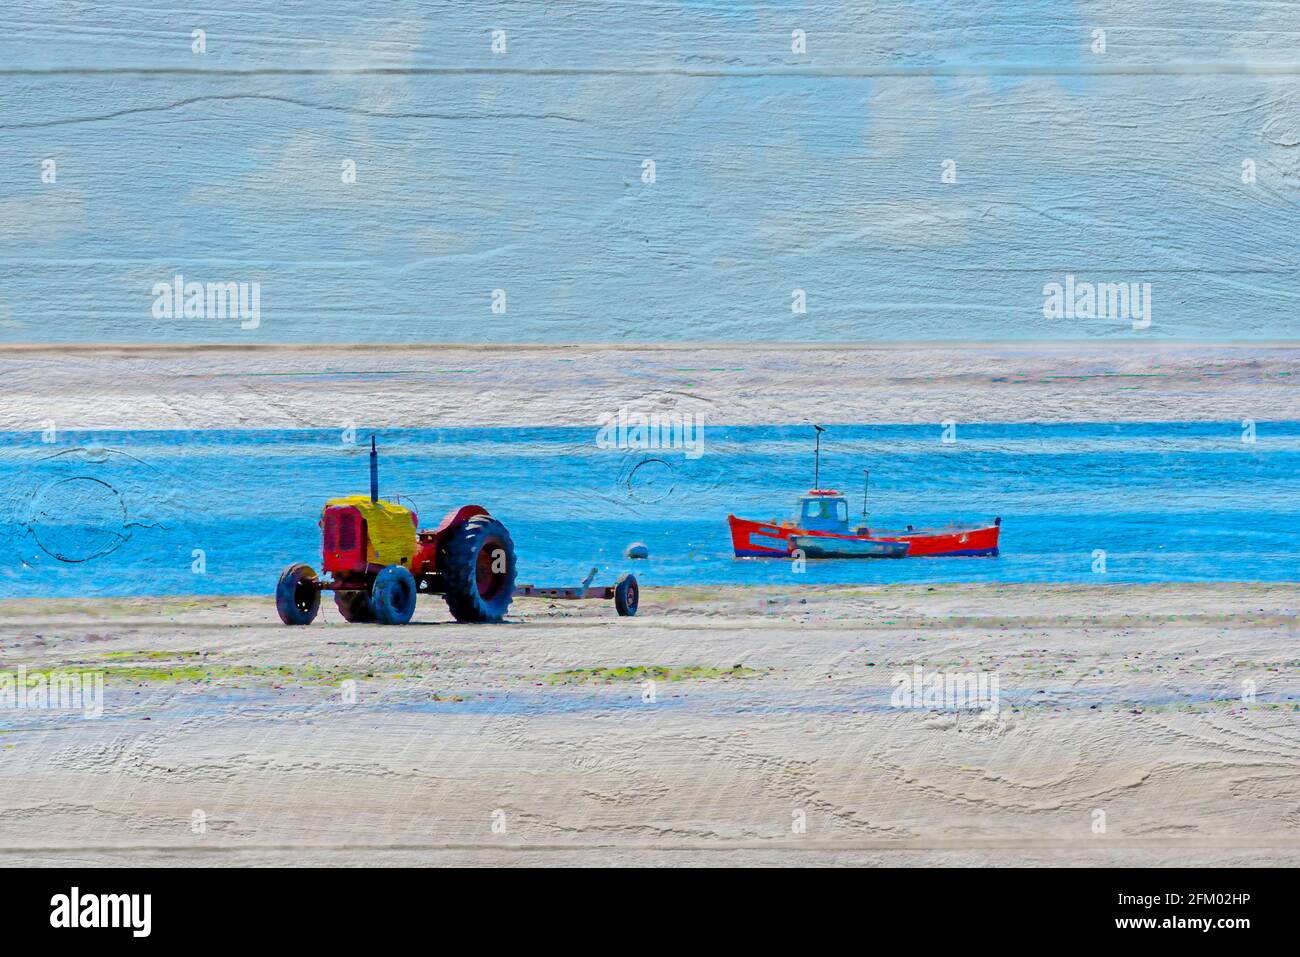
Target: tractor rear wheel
column 354, row 606
column 393, row 595
column 297, row 596
column 477, row 562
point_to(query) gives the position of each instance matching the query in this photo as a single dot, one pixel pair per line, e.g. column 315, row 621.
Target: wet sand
column 228, row 739
column 427, row 386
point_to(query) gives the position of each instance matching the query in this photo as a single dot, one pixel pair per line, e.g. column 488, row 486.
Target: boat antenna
column 374, row 471
column 817, row 459
column 866, row 477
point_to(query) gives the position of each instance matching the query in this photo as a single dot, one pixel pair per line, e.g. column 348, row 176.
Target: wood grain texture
column 1120, row 701
column 626, row 35
column 522, row 170
column 439, row 386
column 774, row 172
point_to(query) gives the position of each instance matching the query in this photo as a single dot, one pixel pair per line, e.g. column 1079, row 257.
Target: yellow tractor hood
column 390, row 529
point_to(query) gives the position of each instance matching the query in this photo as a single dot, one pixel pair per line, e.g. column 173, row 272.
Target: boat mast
column 866, row 475
column 817, row 459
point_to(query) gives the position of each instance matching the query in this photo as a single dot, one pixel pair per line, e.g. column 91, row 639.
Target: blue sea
column 222, row 512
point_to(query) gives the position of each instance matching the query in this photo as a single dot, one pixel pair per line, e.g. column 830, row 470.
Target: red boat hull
column 751, row 539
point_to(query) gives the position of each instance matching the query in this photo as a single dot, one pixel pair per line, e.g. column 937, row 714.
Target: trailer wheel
column 477, row 562
column 392, row 597
column 627, row 595
column 354, row 606
column 297, row 597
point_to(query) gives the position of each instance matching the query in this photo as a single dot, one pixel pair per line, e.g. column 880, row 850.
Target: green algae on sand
column 194, row 672
column 645, row 673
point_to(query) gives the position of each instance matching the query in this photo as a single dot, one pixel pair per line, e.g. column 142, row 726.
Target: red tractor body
column 343, row 539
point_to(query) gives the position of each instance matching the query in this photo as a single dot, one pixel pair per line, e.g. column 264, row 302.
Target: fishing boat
column 820, row 528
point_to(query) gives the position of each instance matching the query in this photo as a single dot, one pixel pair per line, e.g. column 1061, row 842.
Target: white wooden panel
column 470, row 183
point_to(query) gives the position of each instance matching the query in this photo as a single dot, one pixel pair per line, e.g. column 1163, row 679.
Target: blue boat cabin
column 822, row 512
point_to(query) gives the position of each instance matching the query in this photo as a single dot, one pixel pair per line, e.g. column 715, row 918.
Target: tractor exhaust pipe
column 374, row 471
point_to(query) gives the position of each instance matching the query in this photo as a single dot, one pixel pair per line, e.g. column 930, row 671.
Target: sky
column 649, row 171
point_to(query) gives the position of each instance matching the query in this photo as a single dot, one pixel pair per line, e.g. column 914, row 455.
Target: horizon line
column 676, row 345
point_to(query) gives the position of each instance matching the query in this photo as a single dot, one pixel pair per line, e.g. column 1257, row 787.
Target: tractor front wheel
column 297, row 595
column 392, row 597
column 477, row 562
column 354, row 605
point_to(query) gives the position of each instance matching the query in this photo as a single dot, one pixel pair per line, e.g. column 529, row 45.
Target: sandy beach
column 720, row 726
column 1135, row 725
column 425, row 386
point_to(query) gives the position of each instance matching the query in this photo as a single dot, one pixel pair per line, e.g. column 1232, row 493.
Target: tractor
column 380, row 561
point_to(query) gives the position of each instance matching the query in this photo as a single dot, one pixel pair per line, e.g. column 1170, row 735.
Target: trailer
column 624, row 593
